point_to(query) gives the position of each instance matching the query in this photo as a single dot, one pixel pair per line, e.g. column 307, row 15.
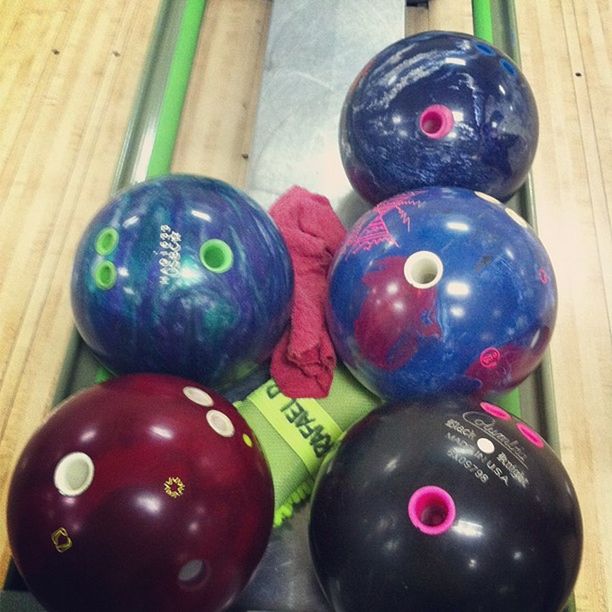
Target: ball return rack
column 294, row 142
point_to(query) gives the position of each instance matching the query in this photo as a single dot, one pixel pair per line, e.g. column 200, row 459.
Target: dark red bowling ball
column 147, row 492
column 448, row 505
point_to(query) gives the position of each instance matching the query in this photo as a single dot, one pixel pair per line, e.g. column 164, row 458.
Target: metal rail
column 147, row 151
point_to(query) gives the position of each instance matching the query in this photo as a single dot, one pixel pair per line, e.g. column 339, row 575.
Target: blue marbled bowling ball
column 441, row 290
column 438, row 108
column 182, row 275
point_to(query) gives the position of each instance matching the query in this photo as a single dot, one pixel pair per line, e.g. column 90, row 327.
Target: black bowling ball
column 449, row 505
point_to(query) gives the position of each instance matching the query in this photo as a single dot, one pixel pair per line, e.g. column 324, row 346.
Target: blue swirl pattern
column 494, row 134
column 154, row 303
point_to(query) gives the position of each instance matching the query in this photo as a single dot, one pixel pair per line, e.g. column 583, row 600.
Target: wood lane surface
column 68, row 76
column 566, row 57
column 217, row 123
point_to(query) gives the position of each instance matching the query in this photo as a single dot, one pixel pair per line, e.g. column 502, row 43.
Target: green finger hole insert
column 106, row 241
column 105, row 275
column 216, row 255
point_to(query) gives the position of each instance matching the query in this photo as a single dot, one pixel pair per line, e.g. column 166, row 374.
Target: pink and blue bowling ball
column 438, row 108
column 182, row 275
column 441, row 290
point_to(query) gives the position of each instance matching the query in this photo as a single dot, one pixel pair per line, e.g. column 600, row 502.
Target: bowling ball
column 147, row 492
column 182, row 275
column 438, row 108
column 441, row 290
column 441, row 506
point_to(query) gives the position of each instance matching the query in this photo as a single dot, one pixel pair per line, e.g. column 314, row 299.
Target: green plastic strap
column 483, row 21
column 509, row 401
column 176, row 89
column 173, row 101
column 303, row 423
column 483, row 28
column 102, row 375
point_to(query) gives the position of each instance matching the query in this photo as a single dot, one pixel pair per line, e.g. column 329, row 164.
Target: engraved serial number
column 468, row 464
column 169, row 254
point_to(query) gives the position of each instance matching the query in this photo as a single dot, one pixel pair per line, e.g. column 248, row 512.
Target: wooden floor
column 68, row 75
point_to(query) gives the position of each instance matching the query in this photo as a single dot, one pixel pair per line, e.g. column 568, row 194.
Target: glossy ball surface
column 147, row 492
column 445, row 506
column 441, row 290
column 438, row 108
column 182, row 275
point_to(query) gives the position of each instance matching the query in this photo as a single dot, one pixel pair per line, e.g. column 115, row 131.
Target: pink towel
column 303, row 361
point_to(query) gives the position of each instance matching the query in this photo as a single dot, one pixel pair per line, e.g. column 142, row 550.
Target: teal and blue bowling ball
column 182, row 275
column 446, row 505
column 438, row 108
column 441, row 290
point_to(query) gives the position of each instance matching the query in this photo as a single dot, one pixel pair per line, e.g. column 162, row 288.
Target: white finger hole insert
column 423, row 269
column 199, row 396
column 220, row 423
column 193, row 571
column 73, row 474
column 485, row 445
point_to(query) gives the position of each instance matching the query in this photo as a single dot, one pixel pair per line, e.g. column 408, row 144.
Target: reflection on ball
column 182, row 275
column 144, row 493
column 446, row 505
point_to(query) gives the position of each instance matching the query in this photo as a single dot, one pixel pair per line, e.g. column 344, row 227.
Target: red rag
column 304, row 359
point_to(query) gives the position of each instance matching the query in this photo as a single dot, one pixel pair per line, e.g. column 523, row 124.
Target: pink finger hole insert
column 436, row 121
column 495, row 411
column 431, row 510
column 530, row 434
